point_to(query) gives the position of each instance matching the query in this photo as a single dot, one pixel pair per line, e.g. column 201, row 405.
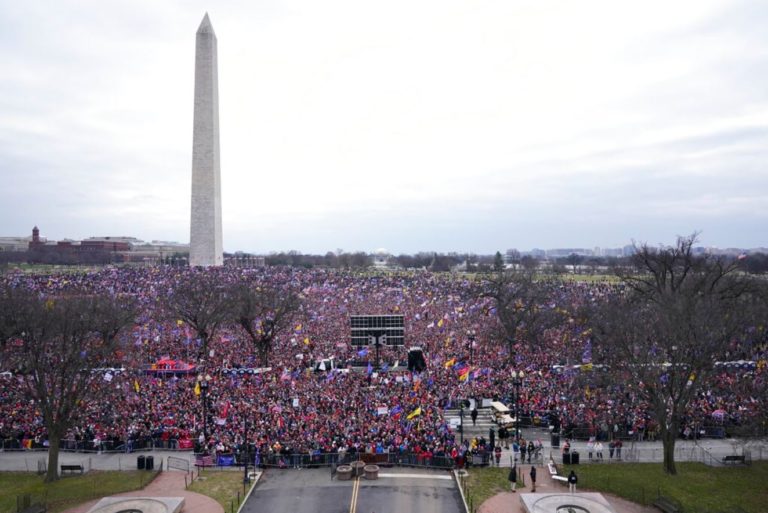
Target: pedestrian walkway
column 167, row 484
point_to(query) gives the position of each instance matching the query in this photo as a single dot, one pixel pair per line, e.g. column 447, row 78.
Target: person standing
column 492, row 438
column 512, row 477
column 572, row 480
column 531, row 449
column 474, row 416
column 533, row 478
column 599, row 450
column 523, row 450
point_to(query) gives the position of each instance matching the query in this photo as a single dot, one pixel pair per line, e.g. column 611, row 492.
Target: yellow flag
column 179, row 322
column 449, row 363
column 197, row 388
column 306, row 341
column 414, row 413
column 440, row 323
column 136, row 385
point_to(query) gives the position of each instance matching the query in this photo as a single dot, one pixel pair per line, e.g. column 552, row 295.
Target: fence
column 178, row 464
column 306, row 460
column 633, row 453
column 105, row 447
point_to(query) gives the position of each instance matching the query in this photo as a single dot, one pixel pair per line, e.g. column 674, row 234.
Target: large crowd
column 291, row 407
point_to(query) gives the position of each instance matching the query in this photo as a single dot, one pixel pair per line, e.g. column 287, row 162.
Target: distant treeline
column 754, row 263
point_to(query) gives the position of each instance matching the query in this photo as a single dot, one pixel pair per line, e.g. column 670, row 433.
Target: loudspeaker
column 416, row 362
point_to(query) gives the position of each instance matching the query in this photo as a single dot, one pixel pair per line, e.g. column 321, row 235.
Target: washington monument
column 205, row 246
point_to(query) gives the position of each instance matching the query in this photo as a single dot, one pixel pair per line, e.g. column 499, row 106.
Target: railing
column 178, row 463
column 109, row 447
column 306, row 460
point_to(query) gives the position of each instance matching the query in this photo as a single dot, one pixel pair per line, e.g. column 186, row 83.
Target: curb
column 253, row 486
column 461, row 492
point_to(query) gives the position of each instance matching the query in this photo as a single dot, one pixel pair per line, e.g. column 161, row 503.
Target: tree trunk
column 53, row 458
column 669, row 439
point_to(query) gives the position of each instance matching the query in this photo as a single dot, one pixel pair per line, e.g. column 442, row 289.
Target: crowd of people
column 291, row 407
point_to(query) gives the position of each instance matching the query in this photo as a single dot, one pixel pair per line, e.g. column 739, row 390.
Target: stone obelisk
column 205, row 246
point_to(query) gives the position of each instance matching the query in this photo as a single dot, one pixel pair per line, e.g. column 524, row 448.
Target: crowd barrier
column 306, row 460
column 107, row 446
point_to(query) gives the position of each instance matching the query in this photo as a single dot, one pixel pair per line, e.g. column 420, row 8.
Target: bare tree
column 199, row 298
column 263, row 312
column 520, row 305
column 676, row 319
column 53, row 344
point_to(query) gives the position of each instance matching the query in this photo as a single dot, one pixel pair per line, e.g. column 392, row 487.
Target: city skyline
column 436, row 127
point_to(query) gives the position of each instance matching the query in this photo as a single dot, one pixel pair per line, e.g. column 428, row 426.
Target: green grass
column 696, row 487
column 589, row 278
column 222, row 486
column 69, row 491
column 484, row 483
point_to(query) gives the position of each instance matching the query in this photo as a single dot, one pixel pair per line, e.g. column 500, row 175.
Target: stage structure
column 377, row 331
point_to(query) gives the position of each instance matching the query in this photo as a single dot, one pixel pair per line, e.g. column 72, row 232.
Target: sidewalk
column 643, row 452
column 686, row 450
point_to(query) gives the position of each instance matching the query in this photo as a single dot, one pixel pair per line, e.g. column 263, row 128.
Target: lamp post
column 461, row 425
column 517, row 382
column 471, row 335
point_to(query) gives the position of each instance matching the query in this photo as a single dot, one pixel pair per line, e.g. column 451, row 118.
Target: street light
column 517, row 382
column 471, row 334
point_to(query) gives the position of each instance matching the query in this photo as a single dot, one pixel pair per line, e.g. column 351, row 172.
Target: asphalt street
column 396, row 491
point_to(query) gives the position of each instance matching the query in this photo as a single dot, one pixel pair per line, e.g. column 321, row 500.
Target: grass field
column 698, row 488
column 223, row 486
column 69, row 491
column 484, row 483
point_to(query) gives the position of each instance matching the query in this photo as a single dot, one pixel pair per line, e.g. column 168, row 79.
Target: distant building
column 14, row 244
column 511, row 256
column 102, row 250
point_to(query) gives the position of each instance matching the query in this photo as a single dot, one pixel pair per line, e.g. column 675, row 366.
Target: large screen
column 367, row 328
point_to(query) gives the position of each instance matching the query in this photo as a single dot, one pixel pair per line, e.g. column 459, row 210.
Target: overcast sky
column 411, row 125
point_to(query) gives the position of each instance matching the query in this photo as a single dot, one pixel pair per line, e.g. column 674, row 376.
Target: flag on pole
column 136, row 385
column 197, row 388
column 414, row 413
column 449, row 363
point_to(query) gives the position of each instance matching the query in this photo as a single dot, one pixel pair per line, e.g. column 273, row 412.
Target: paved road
column 396, row 491
column 433, row 493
